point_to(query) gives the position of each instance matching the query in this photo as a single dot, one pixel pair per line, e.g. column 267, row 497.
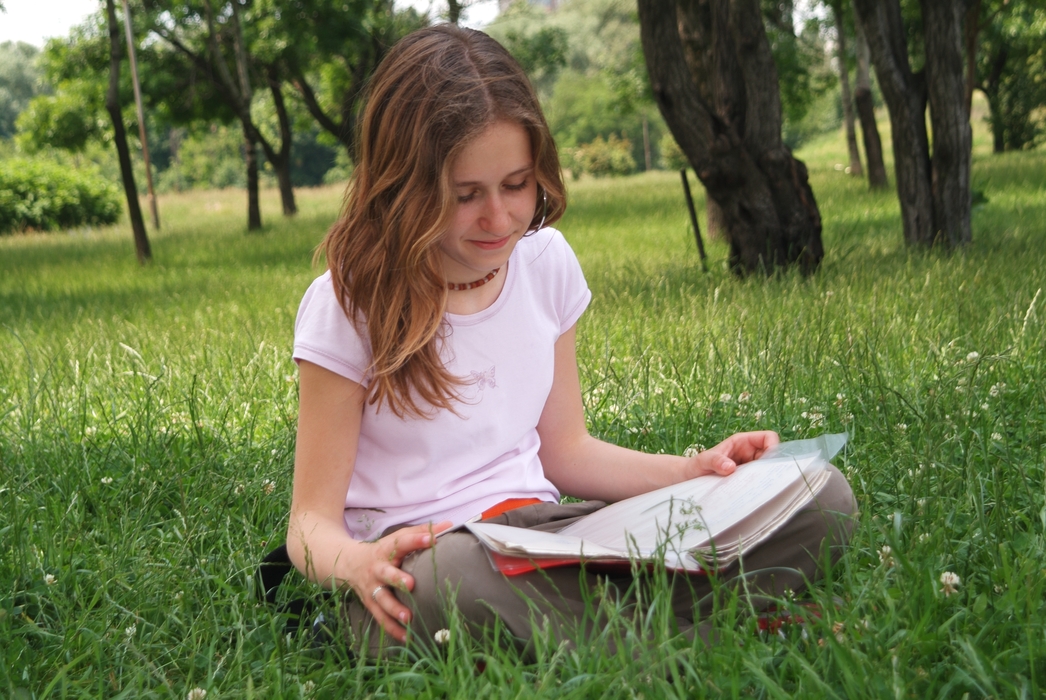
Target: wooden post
column 141, row 114
column 693, row 219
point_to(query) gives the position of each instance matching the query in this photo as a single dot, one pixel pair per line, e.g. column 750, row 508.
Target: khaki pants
column 565, row 600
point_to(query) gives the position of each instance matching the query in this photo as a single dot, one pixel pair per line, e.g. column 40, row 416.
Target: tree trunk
column 934, row 194
column 844, row 86
column 873, row 146
column 281, row 160
column 732, row 136
column 905, row 95
column 250, row 157
column 142, row 248
column 715, row 228
column 971, row 28
column 949, row 119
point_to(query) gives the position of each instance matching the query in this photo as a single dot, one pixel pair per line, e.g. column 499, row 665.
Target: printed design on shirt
column 484, row 379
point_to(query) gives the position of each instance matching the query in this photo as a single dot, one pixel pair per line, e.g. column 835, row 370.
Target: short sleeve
column 559, row 268
column 325, row 336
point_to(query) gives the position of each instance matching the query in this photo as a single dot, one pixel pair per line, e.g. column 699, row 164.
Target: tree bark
column 950, row 120
column 934, row 193
column 873, row 146
column 971, row 28
column 281, row 159
column 142, row 248
column 732, row 140
column 905, row 96
column 844, row 87
column 250, row 159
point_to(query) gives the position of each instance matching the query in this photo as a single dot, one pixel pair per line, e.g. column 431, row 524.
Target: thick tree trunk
column 873, row 146
column 728, row 123
column 844, row 87
column 905, row 95
column 250, row 157
column 950, row 120
column 934, row 194
column 112, row 105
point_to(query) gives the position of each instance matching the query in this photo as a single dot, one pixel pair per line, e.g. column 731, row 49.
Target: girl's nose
column 496, row 218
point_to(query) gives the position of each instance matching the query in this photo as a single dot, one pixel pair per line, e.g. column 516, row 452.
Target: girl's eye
column 517, row 188
column 466, row 198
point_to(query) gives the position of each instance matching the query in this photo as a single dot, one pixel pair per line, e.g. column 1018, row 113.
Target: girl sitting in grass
column 439, row 380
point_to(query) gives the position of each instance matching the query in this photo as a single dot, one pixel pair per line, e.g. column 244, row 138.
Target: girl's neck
column 466, row 302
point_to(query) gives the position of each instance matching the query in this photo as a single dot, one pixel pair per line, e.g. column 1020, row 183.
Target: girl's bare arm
column 584, row 467
column 319, row 545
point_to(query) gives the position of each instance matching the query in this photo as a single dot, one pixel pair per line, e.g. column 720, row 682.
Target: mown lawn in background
column 147, row 424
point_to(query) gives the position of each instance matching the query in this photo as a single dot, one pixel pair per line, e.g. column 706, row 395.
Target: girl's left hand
column 736, row 449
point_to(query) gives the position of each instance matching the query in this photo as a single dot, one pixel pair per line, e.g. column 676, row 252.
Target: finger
column 410, row 539
column 392, row 626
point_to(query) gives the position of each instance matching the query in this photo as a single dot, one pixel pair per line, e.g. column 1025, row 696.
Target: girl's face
column 493, row 181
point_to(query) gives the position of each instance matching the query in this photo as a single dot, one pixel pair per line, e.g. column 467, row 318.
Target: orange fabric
column 507, row 505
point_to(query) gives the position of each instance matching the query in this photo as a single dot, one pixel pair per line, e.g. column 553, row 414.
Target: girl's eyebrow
column 511, row 174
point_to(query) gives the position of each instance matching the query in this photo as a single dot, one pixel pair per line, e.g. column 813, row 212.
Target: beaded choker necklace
column 454, row 287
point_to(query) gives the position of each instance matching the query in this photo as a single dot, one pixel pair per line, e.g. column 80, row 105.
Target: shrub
column 672, row 157
column 45, row 196
column 600, row 158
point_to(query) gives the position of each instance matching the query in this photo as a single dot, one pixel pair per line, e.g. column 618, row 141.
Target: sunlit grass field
column 147, row 421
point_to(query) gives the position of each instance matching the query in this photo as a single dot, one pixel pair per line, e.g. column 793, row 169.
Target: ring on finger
column 375, row 592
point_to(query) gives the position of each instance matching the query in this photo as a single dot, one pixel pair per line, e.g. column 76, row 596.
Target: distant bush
column 45, row 196
column 672, row 156
column 601, row 158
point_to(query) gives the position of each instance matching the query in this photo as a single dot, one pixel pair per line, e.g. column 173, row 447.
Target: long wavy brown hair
column 435, row 91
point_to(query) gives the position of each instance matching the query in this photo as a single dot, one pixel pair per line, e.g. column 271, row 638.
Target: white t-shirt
column 452, row 467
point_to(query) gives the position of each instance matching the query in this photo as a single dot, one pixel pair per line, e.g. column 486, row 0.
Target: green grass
column 147, row 428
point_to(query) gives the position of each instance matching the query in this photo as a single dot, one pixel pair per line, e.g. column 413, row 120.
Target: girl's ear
column 544, row 214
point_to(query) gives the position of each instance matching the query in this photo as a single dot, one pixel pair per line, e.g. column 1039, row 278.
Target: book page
column 684, row 515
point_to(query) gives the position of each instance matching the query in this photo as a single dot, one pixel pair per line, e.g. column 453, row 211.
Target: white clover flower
column 268, row 486
column 130, row 631
column 106, row 480
column 307, row 688
column 50, row 580
column 840, row 399
column 848, row 418
column 886, row 555
column 196, row 694
column 837, row 629
column 949, row 583
column 725, row 398
column 238, row 490
column 90, row 430
column 759, row 415
column 693, row 450
column 744, row 396
column 442, row 637
column 925, row 536
column 816, row 419
column 997, row 437
column 802, row 399
column 985, row 406
column 903, row 427
column 973, row 356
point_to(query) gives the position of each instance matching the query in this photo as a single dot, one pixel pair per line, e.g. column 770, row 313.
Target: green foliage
column 69, row 119
column 541, row 54
column 42, row 196
column 672, row 156
column 1011, row 69
column 211, row 159
column 612, row 156
column 19, row 82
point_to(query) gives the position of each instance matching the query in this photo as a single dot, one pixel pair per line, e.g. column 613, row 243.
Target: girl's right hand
column 374, row 574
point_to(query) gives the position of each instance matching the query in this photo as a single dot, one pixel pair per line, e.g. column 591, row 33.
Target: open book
column 697, row 525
